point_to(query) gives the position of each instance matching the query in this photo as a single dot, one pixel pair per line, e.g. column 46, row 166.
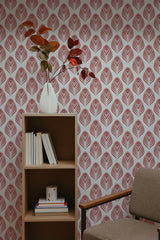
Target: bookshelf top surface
column 49, row 114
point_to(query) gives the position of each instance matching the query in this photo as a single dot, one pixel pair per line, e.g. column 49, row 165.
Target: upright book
column 29, row 139
column 49, row 148
column 38, row 146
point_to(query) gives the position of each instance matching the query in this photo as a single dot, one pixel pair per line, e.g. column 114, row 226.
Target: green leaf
column 49, row 67
column 43, row 56
column 35, row 49
column 44, row 65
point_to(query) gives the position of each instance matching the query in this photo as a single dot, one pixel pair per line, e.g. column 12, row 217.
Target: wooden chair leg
column 83, row 222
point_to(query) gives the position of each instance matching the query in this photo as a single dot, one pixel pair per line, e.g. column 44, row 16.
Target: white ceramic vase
column 48, row 100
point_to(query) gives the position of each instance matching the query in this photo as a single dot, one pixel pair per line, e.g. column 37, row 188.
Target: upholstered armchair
column 144, row 204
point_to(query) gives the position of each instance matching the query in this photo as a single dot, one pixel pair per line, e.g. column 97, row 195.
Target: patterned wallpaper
column 118, row 111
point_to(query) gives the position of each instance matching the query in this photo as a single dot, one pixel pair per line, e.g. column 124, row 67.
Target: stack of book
column 45, row 207
column 39, row 145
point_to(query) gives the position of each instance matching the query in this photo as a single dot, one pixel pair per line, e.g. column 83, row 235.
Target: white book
column 44, row 200
column 27, row 148
column 46, row 147
column 51, row 148
column 31, row 148
column 50, row 210
column 40, row 151
column 34, row 149
column 48, row 206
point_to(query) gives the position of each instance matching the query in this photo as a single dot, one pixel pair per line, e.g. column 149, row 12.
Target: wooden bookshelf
column 35, row 178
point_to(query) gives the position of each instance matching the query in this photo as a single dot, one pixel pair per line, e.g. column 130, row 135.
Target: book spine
column 52, row 149
column 59, row 200
column 39, row 135
column 39, row 206
column 27, row 148
column 46, row 147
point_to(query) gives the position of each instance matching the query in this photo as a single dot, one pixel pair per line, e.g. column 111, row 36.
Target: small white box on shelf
column 51, row 193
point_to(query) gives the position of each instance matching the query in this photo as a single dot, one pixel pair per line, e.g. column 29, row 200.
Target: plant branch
column 60, row 69
column 55, row 74
column 45, row 47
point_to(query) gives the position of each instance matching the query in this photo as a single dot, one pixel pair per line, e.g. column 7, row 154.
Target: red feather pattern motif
column 118, row 111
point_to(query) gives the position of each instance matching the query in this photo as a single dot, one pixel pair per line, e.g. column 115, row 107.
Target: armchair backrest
column 145, row 197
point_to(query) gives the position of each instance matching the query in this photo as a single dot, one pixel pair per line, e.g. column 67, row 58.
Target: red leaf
column 79, row 61
column 73, row 61
column 91, row 74
column 84, row 73
column 28, row 24
column 70, row 43
column 76, row 42
column 75, row 52
column 44, row 29
column 29, row 32
column 38, row 40
column 64, row 68
column 52, row 46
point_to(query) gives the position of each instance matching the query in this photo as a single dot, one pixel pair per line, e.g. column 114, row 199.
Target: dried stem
column 60, row 69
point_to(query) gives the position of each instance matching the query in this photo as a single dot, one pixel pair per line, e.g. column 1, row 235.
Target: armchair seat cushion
column 114, row 230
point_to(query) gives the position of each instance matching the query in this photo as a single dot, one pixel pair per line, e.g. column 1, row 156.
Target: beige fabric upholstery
column 126, row 229
column 145, row 202
column 145, row 197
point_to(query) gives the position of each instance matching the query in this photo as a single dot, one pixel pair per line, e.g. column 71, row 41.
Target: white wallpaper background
column 118, row 112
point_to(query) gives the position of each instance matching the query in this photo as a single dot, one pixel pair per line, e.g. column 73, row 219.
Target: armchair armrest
column 93, row 203
column 105, row 199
